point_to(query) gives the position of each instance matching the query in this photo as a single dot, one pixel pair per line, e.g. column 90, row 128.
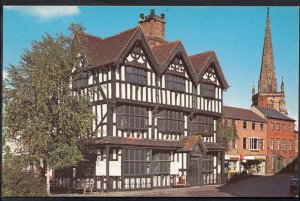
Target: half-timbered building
column 155, row 107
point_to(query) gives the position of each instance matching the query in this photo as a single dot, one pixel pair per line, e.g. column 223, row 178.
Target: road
column 257, row 186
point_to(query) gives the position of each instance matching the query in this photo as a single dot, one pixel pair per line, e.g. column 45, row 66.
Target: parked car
column 294, row 184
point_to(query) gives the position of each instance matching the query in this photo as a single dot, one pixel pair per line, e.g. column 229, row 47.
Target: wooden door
column 195, row 170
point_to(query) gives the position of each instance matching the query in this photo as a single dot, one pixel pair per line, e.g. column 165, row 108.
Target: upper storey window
column 175, row 83
column 136, row 76
column 80, row 79
column 132, row 118
column 170, row 121
column 207, row 90
column 202, row 125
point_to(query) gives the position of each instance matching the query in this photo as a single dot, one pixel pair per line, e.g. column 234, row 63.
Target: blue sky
column 235, row 33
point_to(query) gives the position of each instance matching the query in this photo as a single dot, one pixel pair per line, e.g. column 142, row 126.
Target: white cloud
column 46, row 12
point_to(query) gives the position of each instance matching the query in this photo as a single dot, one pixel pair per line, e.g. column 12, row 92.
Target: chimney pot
column 162, row 16
column 152, row 12
column 142, row 16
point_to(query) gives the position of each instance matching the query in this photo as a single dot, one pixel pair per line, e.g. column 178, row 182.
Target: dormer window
column 175, row 83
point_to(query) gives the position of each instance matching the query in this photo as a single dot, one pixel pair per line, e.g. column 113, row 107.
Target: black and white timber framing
column 146, row 112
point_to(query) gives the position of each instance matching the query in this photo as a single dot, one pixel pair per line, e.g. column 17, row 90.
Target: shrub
column 21, row 182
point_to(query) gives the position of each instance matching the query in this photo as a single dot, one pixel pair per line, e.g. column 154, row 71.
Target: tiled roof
column 274, row 114
column 213, row 146
column 104, row 51
column 240, row 113
column 188, row 143
column 199, row 61
column 135, row 142
column 163, row 52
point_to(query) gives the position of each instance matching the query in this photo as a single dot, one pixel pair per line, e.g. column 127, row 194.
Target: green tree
column 226, row 132
column 41, row 113
column 18, row 180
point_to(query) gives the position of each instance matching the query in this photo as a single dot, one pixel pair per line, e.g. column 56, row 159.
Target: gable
column 212, row 72
column 210, row 75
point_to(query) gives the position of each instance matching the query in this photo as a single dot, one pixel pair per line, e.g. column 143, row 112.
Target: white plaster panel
column 109, row 90
column 153, row 79
column 186, row 86
column 144, row 94
column 133, row 92
column 100, row 167
column 168, row 97
column 123, row 92
column 117, row 90
column 149, row 95
column 123, row 73
column 115, row 167
column 128, row 91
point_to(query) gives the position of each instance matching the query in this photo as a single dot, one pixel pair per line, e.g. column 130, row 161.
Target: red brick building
column 249, row 151
column 280, row 138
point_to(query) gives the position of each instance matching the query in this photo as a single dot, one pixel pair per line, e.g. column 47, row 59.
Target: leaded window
column 170, row 121
column 136, row 75
column 137, row 162
column 80, row 79
column 208, row 164
column 175, row 83
column 207, row 90
column 202, row 125
column 161, row 162
column 131, row 117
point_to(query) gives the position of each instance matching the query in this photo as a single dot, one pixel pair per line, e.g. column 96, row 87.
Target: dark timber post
column 222, row 166
column 107, row 169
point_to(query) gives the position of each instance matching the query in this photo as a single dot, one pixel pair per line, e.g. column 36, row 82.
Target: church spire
column 253, row 89
column 282, row 85
column 267, row 80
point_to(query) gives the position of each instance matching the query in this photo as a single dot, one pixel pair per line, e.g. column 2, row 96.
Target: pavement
column 256, row 186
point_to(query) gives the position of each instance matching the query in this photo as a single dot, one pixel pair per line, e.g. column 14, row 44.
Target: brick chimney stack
column 153, row 27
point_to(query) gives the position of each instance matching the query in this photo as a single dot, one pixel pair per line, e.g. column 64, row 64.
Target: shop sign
column 234, row 158
column 259, row 157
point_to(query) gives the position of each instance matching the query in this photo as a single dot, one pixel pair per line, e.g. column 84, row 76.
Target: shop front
column 232, row 163
column 254, row 164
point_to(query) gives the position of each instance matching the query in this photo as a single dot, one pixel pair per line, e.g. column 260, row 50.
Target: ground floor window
column 208, row 163
column 161, row 162
column 137, row 162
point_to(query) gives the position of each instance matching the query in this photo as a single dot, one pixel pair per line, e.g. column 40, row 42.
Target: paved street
column 258, row 186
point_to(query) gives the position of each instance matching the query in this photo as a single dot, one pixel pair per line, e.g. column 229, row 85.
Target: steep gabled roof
column 273, row 114
column 104, row 51
column 241, row 114
column 113, row 49
column 163, row 52
column 200, row 60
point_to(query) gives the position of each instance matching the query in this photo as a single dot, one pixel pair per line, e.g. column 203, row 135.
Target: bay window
column 136, row 75
column 175, row 83
column 207, row 90
column 202, row 125
column 132, row 118
column 170, row 121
